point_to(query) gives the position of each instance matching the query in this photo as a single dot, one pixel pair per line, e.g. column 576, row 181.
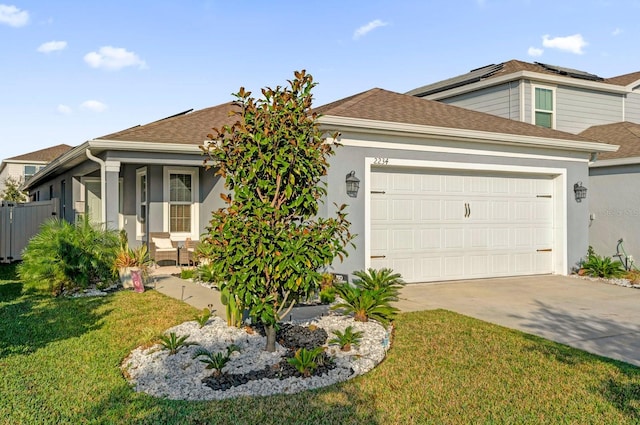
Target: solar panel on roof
column 569, row 72
column 461, row 80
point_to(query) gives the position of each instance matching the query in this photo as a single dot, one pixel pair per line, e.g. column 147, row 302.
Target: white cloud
column 616, row 31
column 52, row 46
column 113, row 59
column 535, row 51
column 13, row 16
column 365, row 29
column 64, row 109
column 93, row 105
column 572, row 43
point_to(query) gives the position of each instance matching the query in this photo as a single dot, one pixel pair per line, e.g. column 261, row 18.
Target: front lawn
column 59, row 363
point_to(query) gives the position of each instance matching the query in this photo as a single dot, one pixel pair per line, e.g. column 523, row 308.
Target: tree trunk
column 270, row 331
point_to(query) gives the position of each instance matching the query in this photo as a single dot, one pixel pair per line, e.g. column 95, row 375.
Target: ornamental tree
column 12, row 192
column 268, row 244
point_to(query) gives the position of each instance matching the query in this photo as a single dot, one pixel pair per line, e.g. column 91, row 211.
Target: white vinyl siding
column 499, row 100
column 181, row 187
column 632, row 107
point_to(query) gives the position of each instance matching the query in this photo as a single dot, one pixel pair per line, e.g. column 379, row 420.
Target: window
column 543, row 107
column 141, row 201
column 30, row 170
column 181, row 211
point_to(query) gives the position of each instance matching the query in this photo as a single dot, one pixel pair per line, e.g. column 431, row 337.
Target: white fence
column 19, row 223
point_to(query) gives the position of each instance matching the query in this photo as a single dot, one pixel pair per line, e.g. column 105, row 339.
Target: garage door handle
column 378, row 256
column 467, row 210
column 544, row 250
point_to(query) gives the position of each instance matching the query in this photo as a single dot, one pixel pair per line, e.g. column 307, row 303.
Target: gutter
column 361, row 125
column 103, row 183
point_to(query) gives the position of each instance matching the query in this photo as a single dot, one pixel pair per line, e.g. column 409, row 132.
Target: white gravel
column 179, row 377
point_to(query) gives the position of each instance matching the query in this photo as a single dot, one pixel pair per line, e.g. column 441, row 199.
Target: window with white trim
column 30, row 170
column 141, row 201
column 543, row 107
column 180, row 195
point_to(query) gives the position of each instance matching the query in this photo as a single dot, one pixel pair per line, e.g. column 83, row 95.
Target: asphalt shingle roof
column 42, row 155
column 189, row 128
column 383, row 105
column 625, row 134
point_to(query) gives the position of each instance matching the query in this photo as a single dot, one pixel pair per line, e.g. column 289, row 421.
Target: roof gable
column 383, row 105
column 42, row 155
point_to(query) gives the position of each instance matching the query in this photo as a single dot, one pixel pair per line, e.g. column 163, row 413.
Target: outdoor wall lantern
column 353, row 184
column 580, row 191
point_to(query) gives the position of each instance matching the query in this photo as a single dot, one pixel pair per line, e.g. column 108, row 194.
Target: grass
column 59, row 363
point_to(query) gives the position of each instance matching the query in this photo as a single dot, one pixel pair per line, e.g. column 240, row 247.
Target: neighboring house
column 547, row 95
column 445, row 192
column 614, row 190
column 604, row 109
column 22, row 167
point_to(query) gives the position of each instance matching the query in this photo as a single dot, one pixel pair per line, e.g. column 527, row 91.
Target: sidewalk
column 198, row 296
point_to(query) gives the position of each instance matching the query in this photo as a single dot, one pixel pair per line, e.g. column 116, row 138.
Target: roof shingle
column 625, row 134
column 383, row 105
column 42, row 155
column 187, row 128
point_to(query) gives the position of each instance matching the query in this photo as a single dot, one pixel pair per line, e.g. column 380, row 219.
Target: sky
column 75, row 70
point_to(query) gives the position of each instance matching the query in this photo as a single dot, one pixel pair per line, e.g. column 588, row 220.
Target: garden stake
column 182, row 296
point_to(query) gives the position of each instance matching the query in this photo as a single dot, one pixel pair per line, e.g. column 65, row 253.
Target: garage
column 439, row 224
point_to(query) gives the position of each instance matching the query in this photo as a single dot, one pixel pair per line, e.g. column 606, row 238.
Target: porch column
column 111, row 198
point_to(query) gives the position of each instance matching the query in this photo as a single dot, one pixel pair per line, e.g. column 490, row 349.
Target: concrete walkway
column 162, row 280
column 596, row 317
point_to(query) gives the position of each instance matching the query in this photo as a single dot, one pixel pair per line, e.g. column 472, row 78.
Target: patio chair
column 162, row 248
column 190, row 248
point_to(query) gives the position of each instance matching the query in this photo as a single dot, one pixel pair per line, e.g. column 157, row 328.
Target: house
column 22, row 167
column 546, row 95
column 445, row 192
column 604, row 109
column 614, row 192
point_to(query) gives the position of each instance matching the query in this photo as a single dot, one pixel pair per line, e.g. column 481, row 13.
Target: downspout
column 103, row 184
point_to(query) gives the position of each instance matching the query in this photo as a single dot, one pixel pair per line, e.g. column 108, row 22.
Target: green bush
column 371, row 295
column 597, row 266
column 328, row 295
column 187, row 273
column 69, row 257
column 206, row 273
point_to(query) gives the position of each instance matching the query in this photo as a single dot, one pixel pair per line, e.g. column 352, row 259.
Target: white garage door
column 436, row 225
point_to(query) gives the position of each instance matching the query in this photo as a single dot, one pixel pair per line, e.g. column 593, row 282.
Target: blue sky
column 71, row 71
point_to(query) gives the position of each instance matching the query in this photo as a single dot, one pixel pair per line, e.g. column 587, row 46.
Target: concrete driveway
column 593, row 316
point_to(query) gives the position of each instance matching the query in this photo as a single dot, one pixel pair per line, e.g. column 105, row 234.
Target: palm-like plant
column 347, row 338
column 379, row 279
column 371, row 296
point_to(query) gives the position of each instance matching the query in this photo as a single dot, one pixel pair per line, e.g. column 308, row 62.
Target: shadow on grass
column 31, row 321
column 338, row 404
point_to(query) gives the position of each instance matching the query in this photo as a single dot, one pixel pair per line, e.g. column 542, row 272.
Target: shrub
column 605, row 267
column 328, row 295
column 203, row 317
column 633, row 276
column 206, row 273
column 306, row 361
column 187, row 273
column 347, row 338
column 173, row 343
column 371, row 295
column 69, row 257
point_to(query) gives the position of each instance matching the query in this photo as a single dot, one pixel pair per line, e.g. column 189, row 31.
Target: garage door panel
column 440, row 226
column 402, row 210
column 430, row 239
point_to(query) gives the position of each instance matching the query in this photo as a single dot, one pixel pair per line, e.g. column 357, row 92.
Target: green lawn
column 59, row 363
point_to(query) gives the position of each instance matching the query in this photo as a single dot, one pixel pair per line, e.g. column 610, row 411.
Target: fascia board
column 99, row 145
column 359, row 125
column 615, row 162
column 529, row 75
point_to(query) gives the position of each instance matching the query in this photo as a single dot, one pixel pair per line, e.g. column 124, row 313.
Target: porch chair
column 190, row 247
column 162, row 248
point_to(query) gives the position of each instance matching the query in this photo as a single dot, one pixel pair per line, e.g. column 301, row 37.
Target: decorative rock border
column 179, row 377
